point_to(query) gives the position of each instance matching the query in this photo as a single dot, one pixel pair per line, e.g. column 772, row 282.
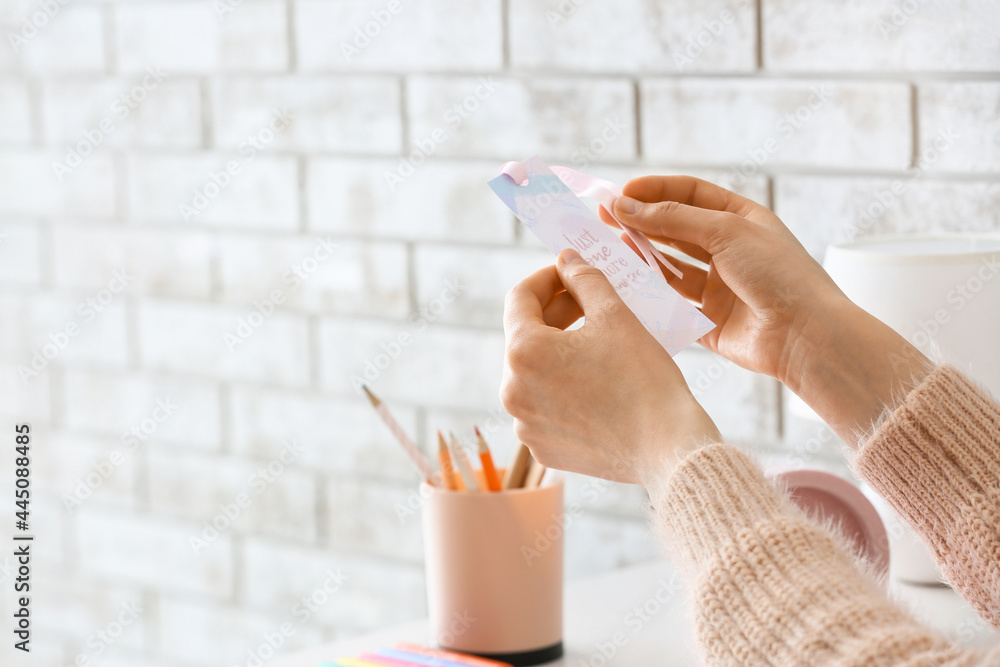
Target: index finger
column 688, row 190
column 526, row 301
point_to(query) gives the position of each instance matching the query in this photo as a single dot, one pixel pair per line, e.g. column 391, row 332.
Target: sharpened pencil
column 493, row 482
column 449, row 476
column 418, row 459
column 461, row 460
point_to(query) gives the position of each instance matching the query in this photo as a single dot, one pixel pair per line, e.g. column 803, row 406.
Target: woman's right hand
column 776, row 310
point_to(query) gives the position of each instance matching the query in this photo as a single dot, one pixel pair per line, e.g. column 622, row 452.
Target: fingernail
column 570, row 256
column 628, row 205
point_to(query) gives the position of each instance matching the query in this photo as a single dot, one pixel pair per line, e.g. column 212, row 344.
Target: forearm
column 770, row 586
column 849, row 367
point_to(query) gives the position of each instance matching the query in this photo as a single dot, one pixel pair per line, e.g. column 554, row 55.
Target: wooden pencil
column 449, row 477
column 411, row 449
column 518, row 468
column 493, row 482
column 533, row 478
column 461, row 460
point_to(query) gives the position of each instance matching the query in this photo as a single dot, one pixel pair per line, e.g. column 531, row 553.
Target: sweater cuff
column 713, row 496
column 938, row 452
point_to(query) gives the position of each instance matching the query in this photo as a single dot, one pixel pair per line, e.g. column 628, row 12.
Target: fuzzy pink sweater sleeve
column 773, row 588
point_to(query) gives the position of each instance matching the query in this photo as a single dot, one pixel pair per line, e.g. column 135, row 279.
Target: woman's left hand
column 604, row 400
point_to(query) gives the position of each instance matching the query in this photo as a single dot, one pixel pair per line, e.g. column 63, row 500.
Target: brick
column 30, row 186
column 483, row 277
column 275, row 351
column 161, row 262
column 416, row 37
column 133, row 407
column 777, row 123
column 200, row 633
column 596, row 544
column 25, row 401
column 271, row 496
column 352, row 114
column 506, row 118
column 152, row 551
column 364, row 349
column 71, row 41
column 825, row 210
column 79, row 469
column 715, row 36
column 80, row 608
column 356, row 197
column 857, row 35
column 146, row 109
column 262, row 194
column 15, row 112
column 351, row 277
column 343, row 436
column 276, row 577
column 744, row 405
column 251, row 38
column 100, row 339
column 20, row 253
column 959, row 126
column 390, row 525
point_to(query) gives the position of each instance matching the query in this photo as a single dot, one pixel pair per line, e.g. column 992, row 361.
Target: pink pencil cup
column 495, row 572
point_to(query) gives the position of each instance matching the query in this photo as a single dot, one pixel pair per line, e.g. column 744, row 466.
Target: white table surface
column 598, row 608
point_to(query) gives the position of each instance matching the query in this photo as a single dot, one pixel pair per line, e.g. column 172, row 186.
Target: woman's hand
column 776, row 310
column 604, row 400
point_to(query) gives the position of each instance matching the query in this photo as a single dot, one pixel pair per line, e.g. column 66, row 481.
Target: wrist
column 675, row 443
column 848, row 366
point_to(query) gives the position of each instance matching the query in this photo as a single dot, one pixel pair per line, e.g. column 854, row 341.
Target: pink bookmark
column 545, row 200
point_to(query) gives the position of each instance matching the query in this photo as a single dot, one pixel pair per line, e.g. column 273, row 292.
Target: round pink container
column 495, row 572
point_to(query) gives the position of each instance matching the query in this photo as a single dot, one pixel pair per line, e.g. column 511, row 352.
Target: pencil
column 486, row 458
column 461, row 460
column 421, row 462
column 518, row 468
column 534, row 476
column 449, row 477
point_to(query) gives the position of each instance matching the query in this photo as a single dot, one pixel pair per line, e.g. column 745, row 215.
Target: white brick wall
column 354, row 216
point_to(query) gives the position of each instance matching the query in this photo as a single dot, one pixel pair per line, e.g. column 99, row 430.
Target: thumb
column 588, row 285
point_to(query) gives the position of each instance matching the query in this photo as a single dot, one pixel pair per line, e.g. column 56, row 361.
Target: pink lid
column 824, row 496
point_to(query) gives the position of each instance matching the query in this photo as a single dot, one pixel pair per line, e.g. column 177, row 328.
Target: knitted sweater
column 773, row 588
